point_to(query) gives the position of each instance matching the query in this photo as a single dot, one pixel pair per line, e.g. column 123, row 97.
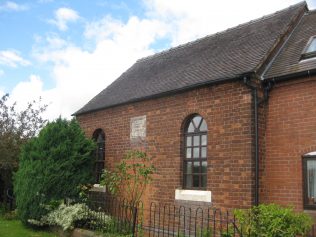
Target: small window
column 99, row 138
column 310, row 49
column 195, row 154
column 309, row 174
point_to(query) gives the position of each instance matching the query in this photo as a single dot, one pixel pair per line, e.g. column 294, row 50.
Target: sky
column 66, row 52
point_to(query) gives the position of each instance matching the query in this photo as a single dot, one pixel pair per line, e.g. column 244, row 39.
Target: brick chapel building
column 229, row 119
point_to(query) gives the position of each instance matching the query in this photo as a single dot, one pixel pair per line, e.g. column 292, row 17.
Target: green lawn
column 14, row 228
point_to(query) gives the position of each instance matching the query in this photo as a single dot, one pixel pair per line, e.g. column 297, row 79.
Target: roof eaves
column 166, row 93
column 296, row 75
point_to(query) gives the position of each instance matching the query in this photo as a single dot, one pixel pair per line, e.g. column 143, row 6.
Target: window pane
column 189, row 168
column 203, row 177
column 188, row 181
column 203, row 152
column 196, row 140
column 189, row 152
column 203, row 127
column 189, row 141
column 204, row 140
column 196, row 152
column 100, row 139
column 312, row 46
column 196, row 167
column 196, row 181
column 191, row 127
column 204, row 167
column 311, row 181
column 100, row 153
column 197, row 120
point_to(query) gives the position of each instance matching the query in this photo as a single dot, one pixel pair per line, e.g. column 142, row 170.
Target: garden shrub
column 52, row 166
column 74, row 215
column 273, row 221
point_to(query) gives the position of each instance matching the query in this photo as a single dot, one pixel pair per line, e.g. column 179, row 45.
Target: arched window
column 99, row 138
column 195, row 153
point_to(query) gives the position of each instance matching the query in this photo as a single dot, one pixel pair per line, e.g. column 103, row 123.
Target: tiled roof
column 289, row 60
column 225, row 55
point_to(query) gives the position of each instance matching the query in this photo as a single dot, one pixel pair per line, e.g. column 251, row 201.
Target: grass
column 14, row 228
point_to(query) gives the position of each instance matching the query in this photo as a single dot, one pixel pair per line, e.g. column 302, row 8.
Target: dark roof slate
column 228, row 54
column 289, row 60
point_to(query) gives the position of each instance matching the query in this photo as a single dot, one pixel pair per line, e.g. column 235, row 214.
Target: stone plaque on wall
column 138, row 128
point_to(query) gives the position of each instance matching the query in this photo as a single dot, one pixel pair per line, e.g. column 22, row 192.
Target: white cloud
column 63, row 16
column 312, row 4
column 136, row 32
column 80, row 74
column 1, row 91
column 12, row 58
column 12, row 6
column 55, row 42
column 193, row 19
column 1, row 73
column 32, row 89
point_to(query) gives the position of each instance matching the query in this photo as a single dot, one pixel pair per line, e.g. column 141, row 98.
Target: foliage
column 52, row 166
column 16, row 127
column 74, row 215
column 84, row 192
column 14, row 228
column 66, row 216
column 273, row 221
column 131, row 176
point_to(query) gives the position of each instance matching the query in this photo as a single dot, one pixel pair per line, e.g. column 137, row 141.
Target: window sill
column 98, row 188
column 193, row 195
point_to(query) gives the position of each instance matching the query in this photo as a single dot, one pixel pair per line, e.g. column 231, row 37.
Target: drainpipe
column 256, row 102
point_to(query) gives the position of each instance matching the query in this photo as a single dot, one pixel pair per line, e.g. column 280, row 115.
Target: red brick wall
column 227, row 111
column 290, row 133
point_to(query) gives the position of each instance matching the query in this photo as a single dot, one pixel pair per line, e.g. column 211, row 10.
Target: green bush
column 273, row 221
column 52, row 166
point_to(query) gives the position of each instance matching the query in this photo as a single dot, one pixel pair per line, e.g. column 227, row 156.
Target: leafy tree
column 131, row 176
column 16, row 128
column 52, row 166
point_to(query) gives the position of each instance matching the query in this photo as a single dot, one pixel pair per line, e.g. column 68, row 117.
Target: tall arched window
column 195, row 153
column 99, row 138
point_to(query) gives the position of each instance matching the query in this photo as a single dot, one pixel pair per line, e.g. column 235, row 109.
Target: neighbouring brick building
column 228, row 119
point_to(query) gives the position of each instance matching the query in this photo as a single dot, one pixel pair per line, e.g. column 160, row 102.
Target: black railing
column 108, row 214
column 172, row 220
column 111, row 215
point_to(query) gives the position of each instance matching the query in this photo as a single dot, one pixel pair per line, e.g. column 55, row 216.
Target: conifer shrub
column 52, row 166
